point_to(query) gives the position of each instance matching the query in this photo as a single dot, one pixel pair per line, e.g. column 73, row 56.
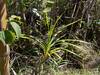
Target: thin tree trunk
column 3, row 15
column 4, row 49
column 4, row 59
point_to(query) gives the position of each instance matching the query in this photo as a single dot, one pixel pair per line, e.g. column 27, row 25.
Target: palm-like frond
column 49, row 44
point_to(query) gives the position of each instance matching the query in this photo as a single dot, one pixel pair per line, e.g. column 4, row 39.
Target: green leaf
column 2, row 35
column 9, row 36
column 2, row 41
column 46, row 20
column 51, row 2
column 16, row 29
column 48, row 9
column 72, row 52
column 52, row 27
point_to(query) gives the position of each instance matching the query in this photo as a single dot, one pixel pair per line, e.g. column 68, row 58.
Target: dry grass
column 67, row 72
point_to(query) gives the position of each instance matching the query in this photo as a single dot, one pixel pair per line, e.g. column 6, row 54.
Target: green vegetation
column 53, row 37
